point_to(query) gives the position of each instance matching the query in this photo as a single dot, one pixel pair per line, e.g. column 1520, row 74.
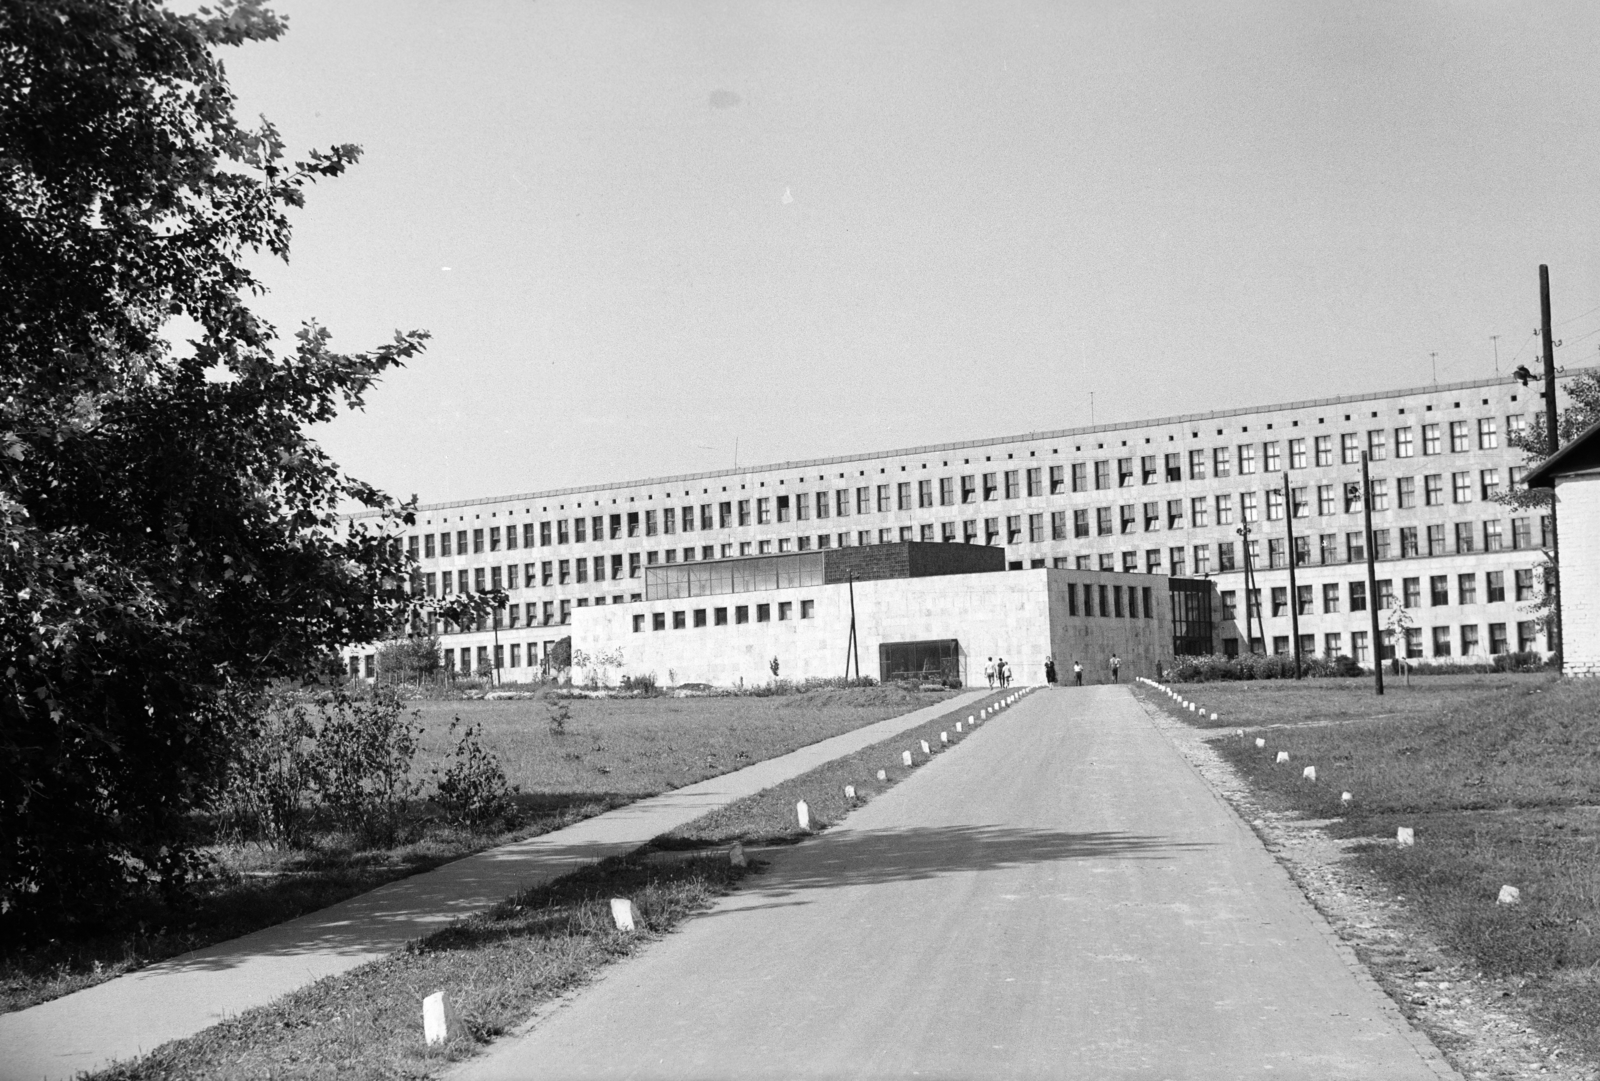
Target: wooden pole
column 1552, row 444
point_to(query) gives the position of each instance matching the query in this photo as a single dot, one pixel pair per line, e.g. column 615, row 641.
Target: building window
column 1247, row 506
column 1355, row 546
column 1377, row 445
column 719, row 617
column 1469, row 639
column 1411, row 590
column 947, row 491
column 1349, row 448
column 1124, row 472
column 1174, row 467
column 638, row 624
column 1358, row 646
column 1102, row 521
column 1463, row 538
column 1330, row 598
column 1036, row 528
column 1147, row 469
column 1527, row 636
column 1433, row 489
column 1467, row 588
column 1280, row 601
column 1202, row 559
column 1272, row 461
column 1358, row 596
column 1247, row 458
column 1524, row 584
column 1057, row 482
column 1197, row 465
column 1459, row 440
column 1408, row 542
column 1221, row 463
column 1224, row 510
column 1225, row 558
column 1035, row 482
column 1274, row 504
column 991, row 487
column 1430, row 440
column 1333, row 645
column 1152, row 561
column 741, row 613
column 808, row 609
column 1297, row 454
column 699, row 617
column 1176, row 557
column 1080, row 477
column 1403, row 446
column 1325, row 500
column 1102, row 475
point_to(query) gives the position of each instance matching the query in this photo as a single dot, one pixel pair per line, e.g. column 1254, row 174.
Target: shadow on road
column 874, row 856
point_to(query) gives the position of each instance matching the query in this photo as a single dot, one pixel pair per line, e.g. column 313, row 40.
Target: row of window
column 1463, row 538
column 975, row 487
column 1464, row 640
column 718, row 617
column 1410, row 595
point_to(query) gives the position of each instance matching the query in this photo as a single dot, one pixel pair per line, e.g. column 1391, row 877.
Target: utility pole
column 1495, row 338
column 1294, row 590
column 1372, row 578
column 1433, row 359
column 1552, row 444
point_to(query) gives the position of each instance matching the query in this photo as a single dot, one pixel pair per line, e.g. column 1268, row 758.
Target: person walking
column 1049, row 670
column 1002, row 672
column 1116, row 666
column 1077, row 672
column 988, row 673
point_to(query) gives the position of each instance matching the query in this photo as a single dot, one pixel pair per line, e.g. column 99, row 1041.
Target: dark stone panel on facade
column 909, row 559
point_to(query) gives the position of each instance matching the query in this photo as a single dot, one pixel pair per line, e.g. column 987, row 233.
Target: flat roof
column 1058, row 433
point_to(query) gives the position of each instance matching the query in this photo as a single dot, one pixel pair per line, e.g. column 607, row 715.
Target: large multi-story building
column 1192, row 496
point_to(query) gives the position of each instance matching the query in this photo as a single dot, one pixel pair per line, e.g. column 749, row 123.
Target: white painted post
column 883, row 775
column 925, row 748
column 439, row 1020
column 1213, row 716
column 1345, row 797
column 1260, row 742
column 1509, row 895
column 1241, row 731
column 849, row 791
column 1283, row 756
column 958, row 726
column 1309, row 773
column 622, row 913
column 1405, row 836
column 803, row 813
column 944, row 737
column 969, row 721
column 906, row 758
column 736, row 855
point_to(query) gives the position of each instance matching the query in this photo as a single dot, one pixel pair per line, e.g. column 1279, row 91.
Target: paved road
column 1061, row 896
column 133, row 1014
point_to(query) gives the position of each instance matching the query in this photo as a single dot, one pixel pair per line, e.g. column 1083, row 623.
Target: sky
column 659, row 238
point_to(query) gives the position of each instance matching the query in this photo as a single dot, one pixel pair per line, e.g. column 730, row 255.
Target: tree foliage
column 1582, row 410
column 170, row 537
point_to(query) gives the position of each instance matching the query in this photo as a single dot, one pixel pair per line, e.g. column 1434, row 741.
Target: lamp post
column 1372, row 578
column 1249, row 587
column 1294, row 589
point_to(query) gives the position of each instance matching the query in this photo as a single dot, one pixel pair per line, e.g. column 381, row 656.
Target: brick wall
column 1578, row 507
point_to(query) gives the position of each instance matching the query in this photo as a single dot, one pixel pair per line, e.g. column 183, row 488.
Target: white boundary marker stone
column 803, row 814
column 736, row 855
column 439, row 1020
column 925, row 748
column 958, row 726
column 1509, row 895
column 849, row 791
column 622, row 913
column 1345, row 797
column 1260, row 742
column 906, row 758
column 1309, row 773
column 1213, row 716
column 883, row 775
column 1283, row 756
column 969, row 720
column 1241, row 732
column 1405, row 836
column 944, row 737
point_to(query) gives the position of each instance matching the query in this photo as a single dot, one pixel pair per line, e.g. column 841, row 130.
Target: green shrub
column 272, row 778
column 472, row 789
column 1215, row 667
column 364, row 753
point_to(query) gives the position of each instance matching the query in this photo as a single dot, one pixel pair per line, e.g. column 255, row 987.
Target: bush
column 556, row 712
column 1215, row 667
column 364, row 752
column 645, row 684
column 472, row 790
column 272, row 778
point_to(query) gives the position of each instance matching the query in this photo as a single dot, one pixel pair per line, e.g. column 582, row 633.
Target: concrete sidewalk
column 133, row 1014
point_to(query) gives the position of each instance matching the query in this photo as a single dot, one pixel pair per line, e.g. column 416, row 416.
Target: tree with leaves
column 171, row 539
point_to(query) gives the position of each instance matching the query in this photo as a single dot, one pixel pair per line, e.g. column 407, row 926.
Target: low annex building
column 1574, row 473
column 920, row 610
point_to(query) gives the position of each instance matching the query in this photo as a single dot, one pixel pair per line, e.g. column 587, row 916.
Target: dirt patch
column 1475, row 1020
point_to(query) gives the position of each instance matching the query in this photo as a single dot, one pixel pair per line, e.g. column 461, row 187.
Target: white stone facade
column 1578, row 512
column 1022, row 616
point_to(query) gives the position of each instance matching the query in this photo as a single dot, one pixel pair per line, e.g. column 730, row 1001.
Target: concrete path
column 1063, row 898
column 133, row 1014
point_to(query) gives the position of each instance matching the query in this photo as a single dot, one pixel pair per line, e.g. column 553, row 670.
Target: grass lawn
column 613, row 751
column 500, row 966
column 1499, row 775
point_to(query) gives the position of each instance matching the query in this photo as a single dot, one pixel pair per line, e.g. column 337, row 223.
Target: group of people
column 1115, row 663
column 997, row 672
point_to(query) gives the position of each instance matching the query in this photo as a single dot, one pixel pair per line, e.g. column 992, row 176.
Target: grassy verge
column 611, row 753
column 499, row 967
column 1501, row 783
